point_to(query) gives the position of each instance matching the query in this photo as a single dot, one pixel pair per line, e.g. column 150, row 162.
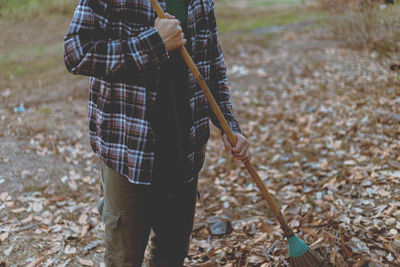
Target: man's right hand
column 170, row 31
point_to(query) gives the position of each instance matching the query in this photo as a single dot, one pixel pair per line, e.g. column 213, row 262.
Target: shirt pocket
column 130, row 18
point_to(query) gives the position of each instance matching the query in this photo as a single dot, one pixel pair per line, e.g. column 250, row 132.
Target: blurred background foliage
column 361, row 24
column 28, row 9
column 373, row 25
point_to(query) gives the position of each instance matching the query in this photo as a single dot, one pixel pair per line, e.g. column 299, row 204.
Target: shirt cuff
column 156, row 47
column 234, row 125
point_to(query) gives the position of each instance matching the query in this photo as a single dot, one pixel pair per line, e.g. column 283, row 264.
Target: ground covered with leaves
column 323, row 121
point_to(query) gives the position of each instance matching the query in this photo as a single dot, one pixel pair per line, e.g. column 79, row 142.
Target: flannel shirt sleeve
column 89, row 51
column 218, row 78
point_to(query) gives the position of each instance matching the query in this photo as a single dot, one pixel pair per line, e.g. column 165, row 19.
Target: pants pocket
column 113, row 256
column 109, row 217
column 100, row 207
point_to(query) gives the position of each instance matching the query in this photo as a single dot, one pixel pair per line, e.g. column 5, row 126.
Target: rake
column 300, row 254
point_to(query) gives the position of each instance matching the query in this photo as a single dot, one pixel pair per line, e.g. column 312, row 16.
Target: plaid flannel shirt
column 114, row 42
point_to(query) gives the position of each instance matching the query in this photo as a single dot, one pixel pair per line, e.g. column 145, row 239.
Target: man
column 148, row 118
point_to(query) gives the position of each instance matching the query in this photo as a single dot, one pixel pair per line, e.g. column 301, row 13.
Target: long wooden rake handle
column 227, row 130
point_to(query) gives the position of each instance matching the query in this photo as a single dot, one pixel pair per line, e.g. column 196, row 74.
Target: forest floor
column 323, row 121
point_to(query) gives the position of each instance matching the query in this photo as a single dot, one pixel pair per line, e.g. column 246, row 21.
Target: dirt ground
column 323, row 121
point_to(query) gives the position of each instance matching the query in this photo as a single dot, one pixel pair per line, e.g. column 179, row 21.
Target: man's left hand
column 241, row 150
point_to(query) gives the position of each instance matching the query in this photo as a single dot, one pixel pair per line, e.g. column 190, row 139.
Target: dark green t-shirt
column 172, row 115
column 178, row 9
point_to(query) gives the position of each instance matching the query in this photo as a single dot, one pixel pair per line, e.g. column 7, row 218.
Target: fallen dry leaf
column 86, row 262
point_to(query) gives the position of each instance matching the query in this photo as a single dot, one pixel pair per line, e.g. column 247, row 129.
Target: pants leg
column 170, row 236
column 129, row 211
column 127, row 216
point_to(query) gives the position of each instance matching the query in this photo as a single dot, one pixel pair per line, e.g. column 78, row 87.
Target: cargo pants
column 131, row 212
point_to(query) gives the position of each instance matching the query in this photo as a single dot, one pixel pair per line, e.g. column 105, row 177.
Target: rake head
column 301, row 255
